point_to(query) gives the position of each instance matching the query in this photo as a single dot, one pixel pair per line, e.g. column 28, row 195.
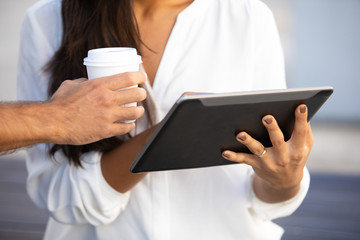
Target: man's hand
column 79, row 112
column 88, row 111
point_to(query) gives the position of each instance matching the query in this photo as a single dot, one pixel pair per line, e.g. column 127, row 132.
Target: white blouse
column 215, row 46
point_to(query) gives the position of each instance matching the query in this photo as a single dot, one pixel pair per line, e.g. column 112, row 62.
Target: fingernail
column 303, row 109
column 241, row 136
column 226, row 154
column 268, row 120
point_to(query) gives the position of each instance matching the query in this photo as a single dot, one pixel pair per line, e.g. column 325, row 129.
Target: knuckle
column 92, row 87
column 67, row 83
column 240, row 158
column 258, row 150
column 140, row 111
column 130, row 126
column 298, row 155
column 105, row 100
column 131, row 78
column 272, row 168
column 300, row 131
column 136, row 112
column 141, row 94
column 80, row 80
column 277, row 142
column 127, row 127
column 283, row 162
column 299, row 116
column 123, row 128
column 237, row 157
column 95, row 84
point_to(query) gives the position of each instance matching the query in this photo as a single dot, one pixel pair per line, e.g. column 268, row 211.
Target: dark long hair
column 89, row 24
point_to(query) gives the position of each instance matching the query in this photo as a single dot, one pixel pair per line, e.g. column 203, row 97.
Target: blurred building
column 11, row 16
column 321, row 40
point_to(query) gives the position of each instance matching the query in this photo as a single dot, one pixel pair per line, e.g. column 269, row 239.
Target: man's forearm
column 79, row 112
column 23, row 124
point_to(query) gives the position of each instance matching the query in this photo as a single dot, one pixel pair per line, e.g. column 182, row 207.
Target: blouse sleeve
column 70, row 194
column 270, row 211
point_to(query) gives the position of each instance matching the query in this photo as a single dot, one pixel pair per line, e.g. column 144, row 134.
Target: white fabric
column 215, row 46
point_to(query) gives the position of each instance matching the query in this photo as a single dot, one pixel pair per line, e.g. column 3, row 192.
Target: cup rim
column 112, row 56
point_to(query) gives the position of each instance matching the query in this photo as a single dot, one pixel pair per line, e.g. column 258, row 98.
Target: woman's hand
column 279, row 169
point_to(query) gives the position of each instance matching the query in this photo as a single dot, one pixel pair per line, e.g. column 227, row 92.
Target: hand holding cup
column 103, row 62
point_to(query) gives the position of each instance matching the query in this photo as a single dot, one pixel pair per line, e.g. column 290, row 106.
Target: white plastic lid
column 112, row 56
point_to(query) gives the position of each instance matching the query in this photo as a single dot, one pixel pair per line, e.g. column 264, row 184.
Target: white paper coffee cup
column 102, row 62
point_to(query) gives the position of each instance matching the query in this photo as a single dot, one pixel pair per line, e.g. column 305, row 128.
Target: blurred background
column 321, row 41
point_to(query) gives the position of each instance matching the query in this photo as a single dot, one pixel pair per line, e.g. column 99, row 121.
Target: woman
column 186, row 46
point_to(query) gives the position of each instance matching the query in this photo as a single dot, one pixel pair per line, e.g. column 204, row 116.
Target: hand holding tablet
column 279, row 169
column 199, row 128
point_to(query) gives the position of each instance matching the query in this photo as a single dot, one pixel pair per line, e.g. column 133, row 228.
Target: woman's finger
column 245, row 158
column 253, row 145
column 275, row 133
column 301, row 127
column 256, row 147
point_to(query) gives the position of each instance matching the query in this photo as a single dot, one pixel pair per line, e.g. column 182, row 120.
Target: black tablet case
column 198, row 128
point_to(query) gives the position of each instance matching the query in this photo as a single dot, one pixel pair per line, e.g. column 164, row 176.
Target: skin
column 280, row 171
column 277, row 174
column 79, row 112
column 156, row 19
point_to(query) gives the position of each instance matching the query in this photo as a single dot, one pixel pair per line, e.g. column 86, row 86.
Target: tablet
column 198, row 128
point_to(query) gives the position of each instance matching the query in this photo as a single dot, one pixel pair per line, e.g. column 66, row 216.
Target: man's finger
column 123, row 80
column 130, row 95
column 119, row 128
column 128, row 113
